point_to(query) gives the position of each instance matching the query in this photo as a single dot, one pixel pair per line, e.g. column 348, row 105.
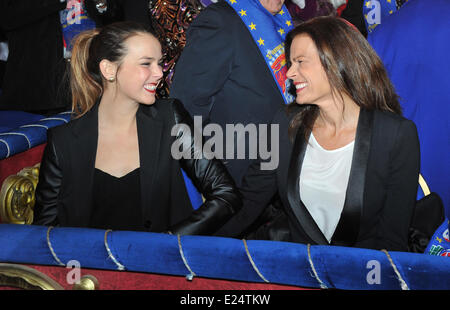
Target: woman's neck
column 116, row 114
column 339, row 115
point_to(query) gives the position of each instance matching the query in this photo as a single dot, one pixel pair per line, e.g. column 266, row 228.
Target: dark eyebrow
column 297, row 57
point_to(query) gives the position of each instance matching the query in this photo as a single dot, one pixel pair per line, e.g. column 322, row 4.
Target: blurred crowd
column 36, row 39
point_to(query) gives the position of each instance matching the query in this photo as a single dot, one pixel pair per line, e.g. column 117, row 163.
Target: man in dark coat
column 228, row 75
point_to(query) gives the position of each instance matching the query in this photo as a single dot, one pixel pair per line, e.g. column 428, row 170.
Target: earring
column 111, row 79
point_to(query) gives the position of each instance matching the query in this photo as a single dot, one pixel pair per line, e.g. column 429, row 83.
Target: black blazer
column 222, row 76
column 64, row 191
column 380, row 197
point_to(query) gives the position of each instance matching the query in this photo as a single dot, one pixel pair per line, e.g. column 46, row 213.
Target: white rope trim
column 119, row 265
column 322, row 285
column 49, row 244
column 54, row 119
column 253, row 263
column 18, row 134
column 403, row 284
column 7, row 147
column 191, row 274
column 34, row 125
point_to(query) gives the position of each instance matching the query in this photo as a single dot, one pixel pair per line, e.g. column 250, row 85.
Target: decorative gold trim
column 253, row 263
column 110, row 254
column 17, row 196
column 27, row 278
column 87, row 283
column 403, row 283
column 49, row 244
column 191, row 274
column 322, row 285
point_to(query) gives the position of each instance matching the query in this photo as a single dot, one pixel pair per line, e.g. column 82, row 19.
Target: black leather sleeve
column 258, row 189
column 50, row 177
column 211, row 178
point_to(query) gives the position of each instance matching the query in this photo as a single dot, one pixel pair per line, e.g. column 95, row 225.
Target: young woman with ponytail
column 111, row 166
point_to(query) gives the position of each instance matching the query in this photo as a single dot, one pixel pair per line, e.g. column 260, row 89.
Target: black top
column 117, row 204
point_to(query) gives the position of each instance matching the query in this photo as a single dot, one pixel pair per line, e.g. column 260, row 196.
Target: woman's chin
column 300, row 102
column 148, row 101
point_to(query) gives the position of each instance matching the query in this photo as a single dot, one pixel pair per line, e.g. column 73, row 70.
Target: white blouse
column 323, row 183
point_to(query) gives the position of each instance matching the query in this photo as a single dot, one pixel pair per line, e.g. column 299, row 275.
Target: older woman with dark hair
column 349, row 162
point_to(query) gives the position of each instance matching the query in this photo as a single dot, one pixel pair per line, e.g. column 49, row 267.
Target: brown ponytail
column 85, row 90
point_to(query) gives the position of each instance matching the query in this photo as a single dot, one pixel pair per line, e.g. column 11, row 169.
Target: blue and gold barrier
column 224, row 258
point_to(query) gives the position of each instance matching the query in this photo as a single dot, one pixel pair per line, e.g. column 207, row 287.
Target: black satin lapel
column 347, row 230
column 83, row 152
column 293, row 190
column 149, row 137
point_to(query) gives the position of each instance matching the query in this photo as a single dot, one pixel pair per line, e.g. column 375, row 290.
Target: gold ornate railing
column 23, row 277
column 26, row 278
column 17, row 196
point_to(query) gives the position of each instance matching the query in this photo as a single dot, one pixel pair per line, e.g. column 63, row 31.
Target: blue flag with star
column 269, row 32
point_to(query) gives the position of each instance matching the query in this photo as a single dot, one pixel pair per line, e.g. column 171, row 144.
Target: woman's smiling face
column 307, row 73
column 140, row 70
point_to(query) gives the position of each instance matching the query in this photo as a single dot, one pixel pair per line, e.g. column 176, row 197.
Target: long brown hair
column 351, row 65
column 89, row 49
